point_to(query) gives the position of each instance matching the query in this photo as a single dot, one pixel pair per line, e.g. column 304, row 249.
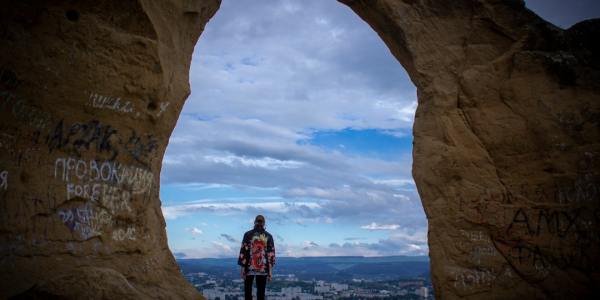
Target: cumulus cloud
column 375, row 226
column 194, row 231
column 403, row 241
column 406, row 243
column 175, row 211
column 224, row 248
column 283, row 74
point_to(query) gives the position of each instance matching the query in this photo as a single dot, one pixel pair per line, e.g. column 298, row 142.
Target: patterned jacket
column 257, row 253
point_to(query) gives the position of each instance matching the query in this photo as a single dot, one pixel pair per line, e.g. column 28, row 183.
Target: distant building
column 422, row 292
column 339, row 287
column 291, row 291
column 321, row 289
column 418, row 283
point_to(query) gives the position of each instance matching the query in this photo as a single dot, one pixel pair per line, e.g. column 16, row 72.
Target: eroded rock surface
column 507, row 144
column 89, row 94
column 505, row 159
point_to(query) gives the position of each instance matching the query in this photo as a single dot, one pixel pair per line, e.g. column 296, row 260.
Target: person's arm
column 271, row 256
column 243, row 257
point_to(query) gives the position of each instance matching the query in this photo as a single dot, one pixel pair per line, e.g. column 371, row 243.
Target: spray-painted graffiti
column 3, row 180
column 559, row 222
column 111, row 103
column 115, row 199
column 86, row 220
column 481, row 278
column 473, row 278
column 107, row 184
column 538, row 240
column 83, row 136
column 137, row 180
column 140, row 146
column 121, row 234
column 476, row 236
column 102, row 138
column 478, row 245
column 112, row 198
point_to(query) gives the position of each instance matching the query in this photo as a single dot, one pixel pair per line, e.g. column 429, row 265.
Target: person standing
column 257, row 258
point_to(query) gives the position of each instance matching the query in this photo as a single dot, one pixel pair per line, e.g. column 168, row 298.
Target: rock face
column 89, row 94
column 507, row 144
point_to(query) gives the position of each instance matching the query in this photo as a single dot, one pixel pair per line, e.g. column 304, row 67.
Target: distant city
column 318, row 278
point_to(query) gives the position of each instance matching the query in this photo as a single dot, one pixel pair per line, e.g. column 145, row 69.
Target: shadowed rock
column 505, row 152
column 89, row 94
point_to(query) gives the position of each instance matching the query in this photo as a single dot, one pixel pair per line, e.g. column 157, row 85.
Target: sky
column 299, row 112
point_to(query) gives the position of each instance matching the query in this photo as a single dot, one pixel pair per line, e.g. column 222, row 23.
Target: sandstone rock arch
column 505, row 158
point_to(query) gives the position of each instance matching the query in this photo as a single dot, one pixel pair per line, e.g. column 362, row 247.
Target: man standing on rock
column 257, row 257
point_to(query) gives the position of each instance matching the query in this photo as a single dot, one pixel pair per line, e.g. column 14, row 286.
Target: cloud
column 402, row 241
column 194, row 231
column 375, row 226
column 309, row 244
column 352, row 238
column 224, row 248
column 260, row 94
column 407, row 242
column 229, row 238
column 263, row 162
column 282, row 75
column 175, row 211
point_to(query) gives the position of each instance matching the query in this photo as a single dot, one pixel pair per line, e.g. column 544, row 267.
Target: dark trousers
column 261, row 284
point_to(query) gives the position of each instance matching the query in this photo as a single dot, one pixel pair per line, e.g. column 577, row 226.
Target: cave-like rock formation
column 506, row 144
column 89, row 94
column 507, row 140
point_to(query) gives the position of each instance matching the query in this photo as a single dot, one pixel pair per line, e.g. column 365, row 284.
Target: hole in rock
column 72, row 15
column 298, row 112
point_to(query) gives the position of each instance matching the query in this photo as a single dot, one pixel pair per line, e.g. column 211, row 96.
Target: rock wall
column 507, row 144
column 507, row 139
column 89, row 94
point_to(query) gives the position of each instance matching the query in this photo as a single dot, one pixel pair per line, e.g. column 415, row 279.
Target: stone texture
column 507, row 144
column 505, row 157
column 90, row 92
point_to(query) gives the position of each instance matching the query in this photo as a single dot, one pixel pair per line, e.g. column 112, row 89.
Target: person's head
column 259, row 221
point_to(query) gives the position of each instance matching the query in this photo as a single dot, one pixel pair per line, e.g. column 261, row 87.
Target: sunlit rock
column 506, row 144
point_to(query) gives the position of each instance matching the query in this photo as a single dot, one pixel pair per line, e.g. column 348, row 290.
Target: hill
column 331, row 268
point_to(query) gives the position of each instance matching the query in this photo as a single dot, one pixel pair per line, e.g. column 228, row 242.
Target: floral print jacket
column 257, row 254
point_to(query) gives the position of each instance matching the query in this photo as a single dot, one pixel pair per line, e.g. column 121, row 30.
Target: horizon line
column 328, row 256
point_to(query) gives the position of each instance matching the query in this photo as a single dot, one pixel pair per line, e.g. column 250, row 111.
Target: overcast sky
column 299, row 112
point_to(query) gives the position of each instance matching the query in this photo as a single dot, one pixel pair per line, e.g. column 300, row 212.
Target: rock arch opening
column 298, row 111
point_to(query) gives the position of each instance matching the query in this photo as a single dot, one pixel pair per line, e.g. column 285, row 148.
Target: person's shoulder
column 268, row 234
column 248, row 233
